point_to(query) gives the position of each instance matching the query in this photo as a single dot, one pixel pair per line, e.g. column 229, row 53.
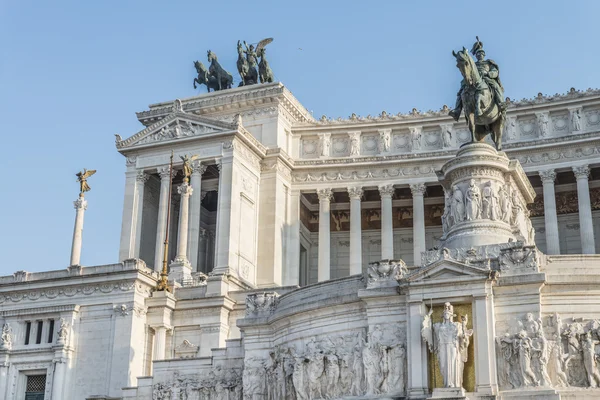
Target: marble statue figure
column 449, row 340
column 458, row 205
column 588, row 345
column 473, row 201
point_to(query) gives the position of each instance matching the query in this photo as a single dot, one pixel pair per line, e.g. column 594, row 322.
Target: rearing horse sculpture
column 481, row 111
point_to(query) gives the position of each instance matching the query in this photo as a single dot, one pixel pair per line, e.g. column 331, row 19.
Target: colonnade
column 586, row 227
column 387, row 228
column 189, row 217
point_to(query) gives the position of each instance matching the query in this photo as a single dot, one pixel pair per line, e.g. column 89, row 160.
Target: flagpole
column 163, row 281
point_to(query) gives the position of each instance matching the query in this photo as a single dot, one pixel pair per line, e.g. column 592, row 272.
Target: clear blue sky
column 73, row 73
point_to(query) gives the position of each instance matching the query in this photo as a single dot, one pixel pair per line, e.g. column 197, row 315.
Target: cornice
column 231, row 101
column 432, row 117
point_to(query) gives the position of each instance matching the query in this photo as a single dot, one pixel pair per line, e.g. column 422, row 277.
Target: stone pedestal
column 488, row 199
column 449, row 393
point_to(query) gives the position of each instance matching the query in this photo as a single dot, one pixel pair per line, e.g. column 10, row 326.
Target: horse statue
column 482, row 113
column 204, row 78
column 224, row 78
column 242, row 64
column 264, row 71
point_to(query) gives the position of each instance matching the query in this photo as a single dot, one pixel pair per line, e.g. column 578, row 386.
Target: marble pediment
column 448, row 270
column 175, row 126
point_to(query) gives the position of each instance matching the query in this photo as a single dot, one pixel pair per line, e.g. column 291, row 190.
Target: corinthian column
column 80, row 207
column 355, row 194
column 165, row 179
column 582, row 174
column 195, row 211
column 387, row 224
column 141, row 179
column 180, row 268
column 324, row 268
column 418, row 190
column 552, row 242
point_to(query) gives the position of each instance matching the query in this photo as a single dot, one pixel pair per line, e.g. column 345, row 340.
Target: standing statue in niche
column 458, row 205
column 481, row 95
column 473, row 198
column 449, row 340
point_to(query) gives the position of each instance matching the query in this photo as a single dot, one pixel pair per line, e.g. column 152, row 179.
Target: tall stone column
column 355, row 194
column 141, row 180
column 387, row 223
column 161, row 222
column 80, row 207
column 222, row 256
column 550, row 219
column 160, row 343
column 291, row 272
column 195, row 211
column 324, row 267
column 180, row 268
column 418, row 190
column 586, row 229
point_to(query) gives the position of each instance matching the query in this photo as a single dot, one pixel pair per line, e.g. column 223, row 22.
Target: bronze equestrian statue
column 224, row 78
column 481, row 95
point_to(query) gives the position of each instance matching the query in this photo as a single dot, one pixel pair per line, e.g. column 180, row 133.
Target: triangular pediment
column 175, row 126
column 444, row 270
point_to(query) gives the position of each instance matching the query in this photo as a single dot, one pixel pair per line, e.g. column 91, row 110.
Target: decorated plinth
column 486, row 199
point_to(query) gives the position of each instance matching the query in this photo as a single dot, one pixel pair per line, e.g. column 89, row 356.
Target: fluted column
column 586, row 227
column 387, row 224
column 80, row 207
column 141, row 180
column 355, row 194
column 418, row 190
column 324, row 267
column 551, row 221
column 160, row 340
column 195, row 211
column 163, row 202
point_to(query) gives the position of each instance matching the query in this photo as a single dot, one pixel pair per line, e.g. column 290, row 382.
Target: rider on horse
column 489, row 71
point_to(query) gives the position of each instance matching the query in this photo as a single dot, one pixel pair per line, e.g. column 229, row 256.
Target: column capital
column 164, row 173
column 80, row 203
column 355, row 193
column 386, row 190
column 548, row 176
column 142, row 177
column 324, row 194
column 418, row 189
column 581, row 172
column 185, row 189
column 198, row 168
